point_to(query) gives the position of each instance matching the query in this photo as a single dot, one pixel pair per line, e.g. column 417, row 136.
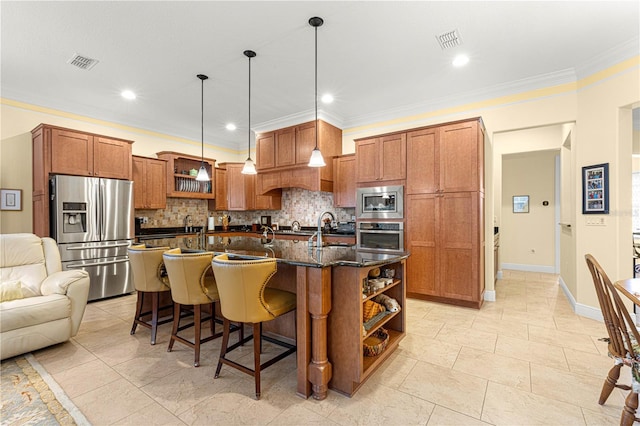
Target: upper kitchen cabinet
column 240, row 191
column 180, row 183
column 382, row 158
column 150, row 183
column 344, row 181
column 85, row 154
column 292, row 146
column 57, row 150
column 446, row 158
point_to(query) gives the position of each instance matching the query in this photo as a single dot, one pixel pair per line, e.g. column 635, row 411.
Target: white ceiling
column 379, row 59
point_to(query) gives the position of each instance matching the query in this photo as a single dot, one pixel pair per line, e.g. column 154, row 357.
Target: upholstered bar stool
column 192, row 284
column 244, row 297
column 146, row 267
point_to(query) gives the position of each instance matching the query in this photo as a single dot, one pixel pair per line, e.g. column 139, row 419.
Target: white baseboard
column 529, row 268
column 489, row 295
column 579, row 308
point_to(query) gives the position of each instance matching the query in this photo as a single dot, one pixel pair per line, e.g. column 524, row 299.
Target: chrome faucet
column 187, row 223
column 319, row 232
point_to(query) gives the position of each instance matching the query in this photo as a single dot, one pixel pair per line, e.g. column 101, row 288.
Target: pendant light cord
column 249, row 122
column 202, row 122
column 316, row 85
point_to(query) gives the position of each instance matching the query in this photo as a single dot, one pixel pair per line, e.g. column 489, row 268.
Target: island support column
column 313, row 306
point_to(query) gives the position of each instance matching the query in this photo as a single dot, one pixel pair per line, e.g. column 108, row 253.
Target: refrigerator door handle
column 84, row 265
column 125, row 244
column 101, row 209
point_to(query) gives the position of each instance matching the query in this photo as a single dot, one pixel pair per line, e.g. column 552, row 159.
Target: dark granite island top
column 293, row 252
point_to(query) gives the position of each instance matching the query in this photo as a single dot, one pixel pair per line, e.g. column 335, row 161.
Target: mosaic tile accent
column 297, row 204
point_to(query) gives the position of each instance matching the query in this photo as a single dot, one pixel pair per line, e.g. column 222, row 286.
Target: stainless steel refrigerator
column 92, row 222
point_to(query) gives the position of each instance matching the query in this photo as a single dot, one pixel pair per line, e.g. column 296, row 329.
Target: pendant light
column 249, row 167
column 202, row 173
column 316, row 159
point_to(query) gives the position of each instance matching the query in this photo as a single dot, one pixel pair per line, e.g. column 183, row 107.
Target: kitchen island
column 311, row 273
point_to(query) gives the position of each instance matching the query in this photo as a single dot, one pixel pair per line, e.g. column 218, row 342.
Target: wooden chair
column 146, row 267
column 192, row 285
column 245, row 298
column 623, row 341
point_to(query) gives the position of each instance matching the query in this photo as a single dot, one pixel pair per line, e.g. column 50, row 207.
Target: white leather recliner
column 41, row 305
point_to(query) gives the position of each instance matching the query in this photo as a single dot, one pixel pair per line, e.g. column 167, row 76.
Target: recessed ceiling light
column 460, row 61
column 128, row 94
column 231, row 126
column 327, row 98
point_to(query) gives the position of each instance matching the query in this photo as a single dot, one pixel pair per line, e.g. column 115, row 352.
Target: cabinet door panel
column 459, row 153
column 305, row 142
column 393, row 157
column 236, row 187
column 423, row 166
column 286, row 147
column 344, row 182
column 138, row 168
column 156, row 184
column 266, row 151
column 71, row 153
column 221, row 189
column 422, row 214
column 459, row 245
column 367, row 160
column 112, row 158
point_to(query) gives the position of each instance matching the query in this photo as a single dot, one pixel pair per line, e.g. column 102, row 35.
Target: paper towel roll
column 211, row 224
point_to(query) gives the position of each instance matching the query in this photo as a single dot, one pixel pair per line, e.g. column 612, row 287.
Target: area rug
column 30, row 396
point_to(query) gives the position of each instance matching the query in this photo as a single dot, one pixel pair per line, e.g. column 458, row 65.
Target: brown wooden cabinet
column 150, row 183
column 382, row 158
column 221, row 202
column 284, row 153
column 241, row 191
column 57, row 150
column 344, row 181
column 180, row 184
column 444, row 235
column 347, row 332
column 444, row 205
column 85, row 154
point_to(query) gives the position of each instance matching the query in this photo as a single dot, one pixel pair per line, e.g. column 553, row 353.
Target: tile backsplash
column 297, row 204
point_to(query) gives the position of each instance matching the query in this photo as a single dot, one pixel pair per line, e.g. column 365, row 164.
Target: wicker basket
column 375, row 344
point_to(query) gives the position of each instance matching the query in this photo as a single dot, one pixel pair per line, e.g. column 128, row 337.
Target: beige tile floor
column 526, row 359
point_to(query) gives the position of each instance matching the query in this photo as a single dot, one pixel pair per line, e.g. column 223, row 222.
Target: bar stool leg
column 155, row 306
column 176, row 325
column 257, row 350
column 197, row 320
column 226, row 325
column 138, row 311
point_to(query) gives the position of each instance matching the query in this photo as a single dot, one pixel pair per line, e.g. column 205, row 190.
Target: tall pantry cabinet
column 444, row 205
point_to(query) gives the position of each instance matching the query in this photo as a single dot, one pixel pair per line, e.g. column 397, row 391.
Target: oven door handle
column 116, row 245
column 84, row 265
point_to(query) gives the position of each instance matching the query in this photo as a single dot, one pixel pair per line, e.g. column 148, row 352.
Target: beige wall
column 15, row 150
column 527, row 240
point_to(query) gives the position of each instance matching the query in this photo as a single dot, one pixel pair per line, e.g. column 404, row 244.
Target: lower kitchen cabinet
column 346, row 330
column 445, row 237
column 150, row 183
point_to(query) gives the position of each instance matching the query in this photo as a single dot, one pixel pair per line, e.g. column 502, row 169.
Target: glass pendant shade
column 249, row 167
column 202, row 174
column 316, row 159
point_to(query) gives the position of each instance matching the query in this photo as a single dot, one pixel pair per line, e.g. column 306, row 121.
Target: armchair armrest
column 58, row 282
column 73, row 284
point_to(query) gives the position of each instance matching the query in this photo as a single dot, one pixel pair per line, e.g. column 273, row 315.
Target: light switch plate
column 595, row 221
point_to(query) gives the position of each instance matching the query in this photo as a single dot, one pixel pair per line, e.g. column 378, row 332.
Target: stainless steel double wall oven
column 380, row 218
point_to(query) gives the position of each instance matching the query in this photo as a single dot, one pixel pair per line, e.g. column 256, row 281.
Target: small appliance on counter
column 346, row 228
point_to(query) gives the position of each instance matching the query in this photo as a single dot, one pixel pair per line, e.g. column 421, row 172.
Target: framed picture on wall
column 595, row 189
column 521, row 204
column 10, row 199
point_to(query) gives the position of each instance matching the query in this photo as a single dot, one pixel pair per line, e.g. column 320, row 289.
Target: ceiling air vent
column 82, row 62
column 449, row 39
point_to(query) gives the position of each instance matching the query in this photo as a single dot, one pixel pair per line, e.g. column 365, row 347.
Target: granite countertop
column 292, row 252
